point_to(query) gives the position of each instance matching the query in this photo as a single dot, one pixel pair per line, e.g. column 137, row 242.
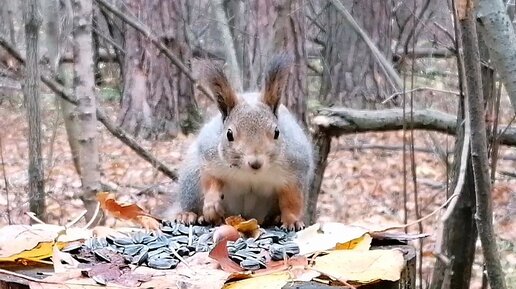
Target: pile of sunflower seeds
column 249, row 253
column 177, row 241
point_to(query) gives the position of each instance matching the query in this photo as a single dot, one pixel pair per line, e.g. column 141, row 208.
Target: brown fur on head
column 251, row 137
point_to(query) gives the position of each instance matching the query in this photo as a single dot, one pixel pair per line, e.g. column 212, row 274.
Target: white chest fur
column 252, row 194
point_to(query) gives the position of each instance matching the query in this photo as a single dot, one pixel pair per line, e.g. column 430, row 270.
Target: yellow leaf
column 361, row 266
column 325, row 236
column 35, row 242
column 270, row 281
column 360, row 244
column 41, row 251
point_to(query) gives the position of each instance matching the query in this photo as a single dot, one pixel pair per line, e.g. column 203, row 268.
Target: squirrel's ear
column 275, row 79
column 221, row 89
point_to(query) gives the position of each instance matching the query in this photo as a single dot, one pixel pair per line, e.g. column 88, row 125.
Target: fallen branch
column 146, row 31
column 341, row 121
column 425, row 52
column 101, row 116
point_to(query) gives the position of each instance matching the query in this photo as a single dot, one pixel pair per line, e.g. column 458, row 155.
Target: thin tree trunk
column 484, row 210
column 84, row 88
column 32, row 98
column 228, row 45
column 71, row 121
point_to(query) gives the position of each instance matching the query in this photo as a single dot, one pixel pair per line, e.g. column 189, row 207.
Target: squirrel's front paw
column 291, row 223
column 213, row 212
column 188, row 218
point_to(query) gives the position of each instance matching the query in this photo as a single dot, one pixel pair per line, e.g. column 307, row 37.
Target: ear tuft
column 221, row 89
column 276, row 78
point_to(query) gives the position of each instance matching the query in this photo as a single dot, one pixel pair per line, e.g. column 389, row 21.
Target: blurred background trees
column 136, row 67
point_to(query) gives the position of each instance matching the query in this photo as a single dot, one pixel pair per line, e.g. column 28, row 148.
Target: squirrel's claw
column 293, row 226
column 188, row 218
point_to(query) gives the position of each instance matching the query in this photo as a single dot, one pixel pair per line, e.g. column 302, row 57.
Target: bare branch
column 341, row 121
column 101, row 116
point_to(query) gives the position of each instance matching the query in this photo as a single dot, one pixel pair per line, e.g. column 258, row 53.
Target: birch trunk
column 32, row 20
column 84, row 88
column 498, row 34
column 479, row 159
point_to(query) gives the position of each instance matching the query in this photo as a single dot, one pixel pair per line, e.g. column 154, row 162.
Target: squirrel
column 252, row 159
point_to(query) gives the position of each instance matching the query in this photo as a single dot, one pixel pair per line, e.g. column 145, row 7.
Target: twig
column 33, row 217
column 108, row 39
column 94, row 217
column 155, row 40
column 9, row 221
column 451, row 198
column 101, row 116
column 440, row 27
column 76, row 219
column 419, row 89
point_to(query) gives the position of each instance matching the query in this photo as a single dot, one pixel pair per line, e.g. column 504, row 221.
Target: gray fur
column 289, row 159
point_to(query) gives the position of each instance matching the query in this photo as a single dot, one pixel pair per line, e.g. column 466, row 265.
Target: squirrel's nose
column 256, row 164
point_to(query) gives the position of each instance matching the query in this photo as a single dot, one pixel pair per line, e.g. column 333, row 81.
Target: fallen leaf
column 360, row 244
column 220, row 254
column 58, row 258
column 325, row 236
column 361, row 266
column 269, row 281
column 130, row 212
column 227, row 232
column 248, row 228
column 35, row 242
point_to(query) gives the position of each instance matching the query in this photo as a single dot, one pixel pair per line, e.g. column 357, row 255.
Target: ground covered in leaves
column 363, row 183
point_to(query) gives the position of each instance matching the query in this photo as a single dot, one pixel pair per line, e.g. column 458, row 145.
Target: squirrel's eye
column 229, row 135
column 276, row 133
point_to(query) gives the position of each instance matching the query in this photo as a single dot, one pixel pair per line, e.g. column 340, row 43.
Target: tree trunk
column 84, row 89
column 228, row 45
column 158, row 99
column 484, row 210
column 498, row 34
column 32, row 98
column 266, row 28
column 352, row 76
column 459, row 232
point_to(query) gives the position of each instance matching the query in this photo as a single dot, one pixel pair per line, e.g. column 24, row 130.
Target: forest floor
column 363, row 182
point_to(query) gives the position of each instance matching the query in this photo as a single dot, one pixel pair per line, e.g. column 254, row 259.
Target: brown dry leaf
column 361, row 266
column 148, row 223
column 227, row 232
column 249, row 228
column 220, row 254
column 234, row 220
column 35, row 242
column 269, row 281
column 325, row 236
column 130, row 212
